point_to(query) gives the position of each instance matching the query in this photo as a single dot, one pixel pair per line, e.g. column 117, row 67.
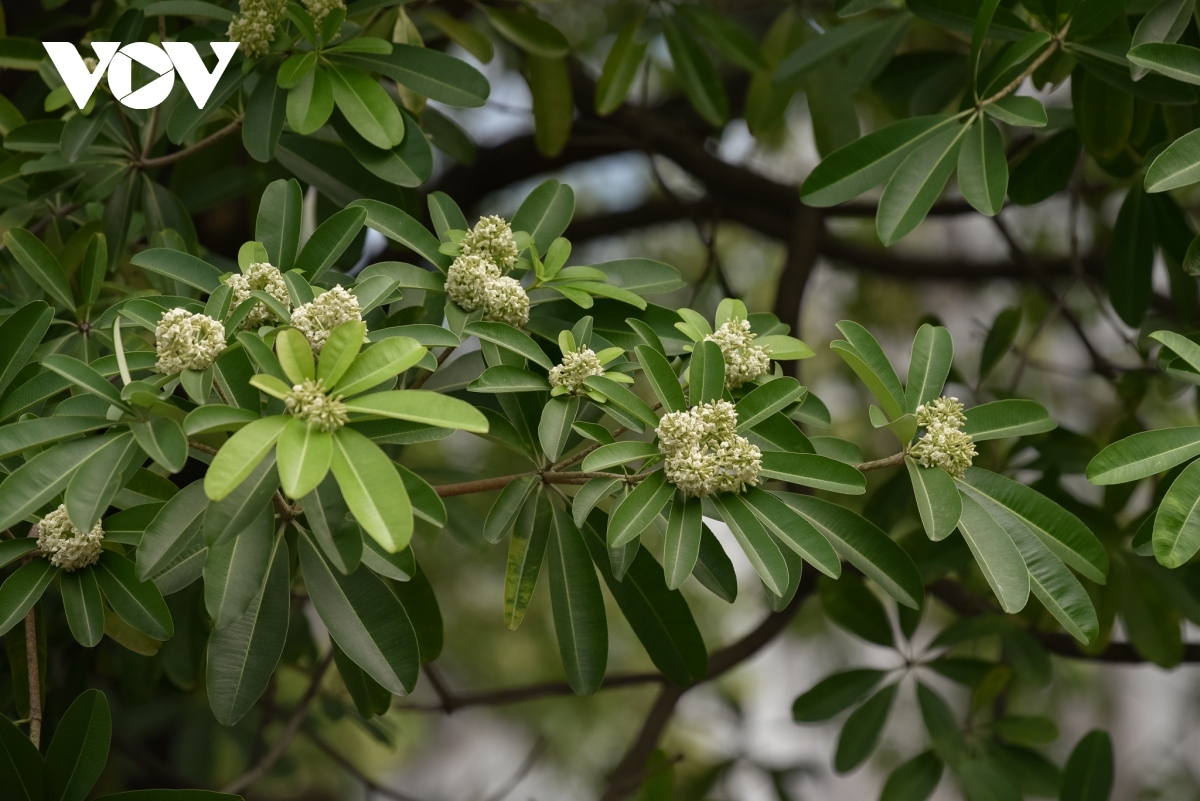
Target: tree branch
column 162, row 161
column 35, row 678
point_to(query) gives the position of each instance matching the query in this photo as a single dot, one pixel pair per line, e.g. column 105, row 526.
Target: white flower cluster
column 187, row 341
column 704, row 453
column 326, row 312
column 320, row 9
column 576, row 366
column 262, row 276
column 943, row 444
column 475, row 282
column 254, row 27
column 308, row 401
column 491, row 237
column 744, row 361
column 66, row 546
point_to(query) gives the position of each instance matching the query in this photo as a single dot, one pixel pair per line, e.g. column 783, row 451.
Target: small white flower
column 943, row 444
column 187, row 341
column 320, row 9
column 254, row 27
column 264, row 277
column 704, row 453
column 507, row 302
column 468, row 279
column 326, row 312
column 575, row 368
column 491, row 237
column 66, row 546
column 744, row 361
column 309, row 401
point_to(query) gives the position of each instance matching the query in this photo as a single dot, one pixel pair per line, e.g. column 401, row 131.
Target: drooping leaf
column 579, row 621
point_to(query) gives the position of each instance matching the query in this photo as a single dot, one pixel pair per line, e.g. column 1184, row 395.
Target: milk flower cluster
column 704, row 453
column 943, row 444
column 575, row 368
column 311, row 403
column 254, row 27
column 66, row 546
column 744, row 361
column 476, row 278
column 266, row 278
column 320, row 9
column 187, row 341
column 317, row 319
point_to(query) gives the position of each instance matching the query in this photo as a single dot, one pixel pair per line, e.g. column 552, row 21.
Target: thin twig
column 171, row 158
column 880, row 464
column 289, row 733
column 374, row 787
column 449, row 701
column 441, row 359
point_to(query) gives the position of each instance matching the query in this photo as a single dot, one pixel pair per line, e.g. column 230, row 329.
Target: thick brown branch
column 35, row 678
column 880, row 464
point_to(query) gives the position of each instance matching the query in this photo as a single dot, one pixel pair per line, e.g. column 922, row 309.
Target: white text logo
column 165, row 61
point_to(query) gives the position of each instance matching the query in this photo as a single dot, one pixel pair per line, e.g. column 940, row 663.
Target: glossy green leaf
column 138, row 603
column 1088, row 774
column 696, row 73
column 1176, row 535
column 760, row 549
column 553, row 105
column 794, row 531
column 932, row 355
column 431, row 73
column 545, row 213
column 243, row 452
column 860, row 733
column 618, row 453
column 22, row 331
column 236, row 569
column 996, row 555
column 937, row 497
column 1007, row 418
column 40, row 264
column 79, row 750
column 620, row 69
column 163, row 441
column 812, row 470
column 378, row 363
column 422, row 406
column 767, row 399
column 706, row 374
column 1027, row 112
column 372, row 489
column 41, row 478
column 983, row 167
column 849, row 603
column 580, row 624
column 22, row 590
column 526, row 550
column 629, row 518
column 871, row 365
column 662, row 378
column 329, row 241
column 917, row 184
column 304, row 455
column 914, row 780
column 835, row 693
column 681, row 545
column 1131, row 258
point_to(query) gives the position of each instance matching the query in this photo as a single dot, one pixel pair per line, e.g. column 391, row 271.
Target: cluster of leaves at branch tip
column 187, row 341
column 943, row 444
column 476, row 279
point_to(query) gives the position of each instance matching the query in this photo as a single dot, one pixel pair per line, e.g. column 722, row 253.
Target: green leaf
column 733, row 42
column 659, row 617
column 378, row 363
column 79, row 750
column 555, row 427
column 620, row 69
column 865, row 546
column 706, row 373
column 641, row 276
column 867, row 162
column 401, row 227
column 243, row 654
column 35, row 483
column 948, row 741
column 1144, row 454
column 304, row 455
column 617, row 453
column 811, row 470
column 1178, row 165
column 983, row 20
column 84, row 606
column 138, row 603
column 85, row 377
column 681, row 546
column 408, row 164
column 914, row 780
column 504, row 378
column 767, row 399
column 579, row 621
column 545, row 213
column 996, row 554
column 510, row 338
column 1088, row 774
column 12, row 550
column 861, row 731
column 309, row 104
column 696, row 73
column 1176, row 535
column 851, row 604
column 553, row 106
column 98, row 478
column 871, row 365
column 1131, row 258
column 1026, row 729
column 277, row 227
column 937, row 499
column 364, row 618
column 983, row 168
column 508, row 505
column 916, row 185
column 21, row 591
column 369, row 696
column 40, row 264
column 637, row 510
column 21, row 333
column 180, row 266
column 528, row 31
column 266, row 110
column 932, row 355
column 662, row 378
column 1025, row 112
column 1007, row 418
column 340, row 539
column 794, row 531
column 225, row 518
column 373, row 490
column 618, row 395
column 835, row 693
column 526, row 551
column 164, row 441
column 422, row 406
column 243, row 452
column 1061, row 531
column 236, row 569
column 825, row 49
column 21, row 766
column 1176, row 61
column 329, row 242
column 430, row 73
column 760, row 549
